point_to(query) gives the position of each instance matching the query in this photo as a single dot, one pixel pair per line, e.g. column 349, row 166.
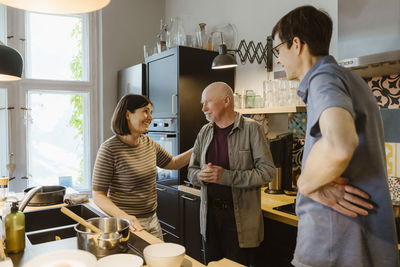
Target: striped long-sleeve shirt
column 128, row 173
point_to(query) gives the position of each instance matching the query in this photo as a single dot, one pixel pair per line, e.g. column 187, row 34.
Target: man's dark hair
column 310, row 25
column 131, row 102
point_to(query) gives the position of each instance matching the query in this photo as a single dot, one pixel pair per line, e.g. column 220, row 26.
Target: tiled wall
column 387, row 92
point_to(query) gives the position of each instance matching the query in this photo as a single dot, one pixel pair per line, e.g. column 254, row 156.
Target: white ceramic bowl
column 164, row 255
column 67, row 257
column 120, row 260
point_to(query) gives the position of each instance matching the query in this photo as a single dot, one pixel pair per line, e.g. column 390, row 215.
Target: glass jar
column 176, row 34
column 3, row 188
column 250, row 97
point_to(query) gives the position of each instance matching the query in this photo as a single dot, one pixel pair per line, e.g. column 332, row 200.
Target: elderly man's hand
column 211, row 174
column 341, row 197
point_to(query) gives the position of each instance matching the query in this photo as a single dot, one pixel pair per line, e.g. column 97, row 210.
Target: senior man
column 231, row 160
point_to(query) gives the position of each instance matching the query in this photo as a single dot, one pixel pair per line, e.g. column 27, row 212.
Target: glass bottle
column 15, row 230
column 202, row 37
column 162, row 36
column 176, row 35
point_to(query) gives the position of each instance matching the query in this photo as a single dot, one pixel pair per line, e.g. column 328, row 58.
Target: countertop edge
column 268, row 202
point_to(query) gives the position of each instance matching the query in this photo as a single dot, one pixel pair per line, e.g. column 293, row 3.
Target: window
column 54, row 47
column 57, row 137
column 55, row 117
column 3, row 132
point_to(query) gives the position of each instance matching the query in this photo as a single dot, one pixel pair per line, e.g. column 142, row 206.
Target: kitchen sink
column 51, row 235
column 51, row 218
column 51, row 230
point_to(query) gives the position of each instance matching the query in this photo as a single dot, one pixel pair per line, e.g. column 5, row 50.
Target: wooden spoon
column 80, row 220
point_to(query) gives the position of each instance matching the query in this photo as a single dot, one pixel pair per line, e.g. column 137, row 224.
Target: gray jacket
column 251, row 166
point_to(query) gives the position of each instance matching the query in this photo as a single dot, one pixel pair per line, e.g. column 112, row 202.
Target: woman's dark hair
column 312, row 26
column 131, row 102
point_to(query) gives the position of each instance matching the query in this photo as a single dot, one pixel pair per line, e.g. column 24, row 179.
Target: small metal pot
column 113, row 239
column 48, row 195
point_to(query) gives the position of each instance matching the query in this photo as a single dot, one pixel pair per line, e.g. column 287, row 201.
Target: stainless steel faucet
column 31, row 193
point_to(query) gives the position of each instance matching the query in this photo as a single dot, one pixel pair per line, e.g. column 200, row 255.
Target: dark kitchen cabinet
column 175, row 81
column 168, row 212
column 278, row 246
column 190, row 221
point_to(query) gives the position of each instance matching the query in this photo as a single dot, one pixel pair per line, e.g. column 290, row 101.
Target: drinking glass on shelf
column 236, row 100
column 250, row 96
column 283, row 93
column 258, row 101
column 242, row 101
column 275, row 93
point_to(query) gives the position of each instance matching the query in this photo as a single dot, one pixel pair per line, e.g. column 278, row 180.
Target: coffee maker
column 281, row 149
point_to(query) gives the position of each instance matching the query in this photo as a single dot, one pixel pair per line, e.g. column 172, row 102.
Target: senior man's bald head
column 218, row 106
column 218, row 90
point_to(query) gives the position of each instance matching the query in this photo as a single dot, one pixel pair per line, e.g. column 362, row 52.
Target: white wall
column 368, row 27
column 126, row 26
column 253, row 19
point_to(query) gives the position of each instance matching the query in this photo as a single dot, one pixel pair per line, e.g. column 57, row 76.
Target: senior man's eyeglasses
column 275, row 50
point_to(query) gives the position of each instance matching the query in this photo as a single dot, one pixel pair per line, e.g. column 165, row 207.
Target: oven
column 164, row 132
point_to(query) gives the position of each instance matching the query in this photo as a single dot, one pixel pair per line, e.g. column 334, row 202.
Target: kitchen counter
column 140, row 238
column 188, row 261
column 268, row 202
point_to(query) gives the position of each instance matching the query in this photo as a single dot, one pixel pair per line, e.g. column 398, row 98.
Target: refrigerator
column 132, row 80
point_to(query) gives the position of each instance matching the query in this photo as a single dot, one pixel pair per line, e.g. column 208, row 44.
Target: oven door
column 169, row 141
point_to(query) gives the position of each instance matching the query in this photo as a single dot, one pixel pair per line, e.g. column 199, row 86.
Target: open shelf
column 290, row 109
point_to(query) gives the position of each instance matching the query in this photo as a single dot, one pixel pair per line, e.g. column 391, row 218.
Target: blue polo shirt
column 326, row 237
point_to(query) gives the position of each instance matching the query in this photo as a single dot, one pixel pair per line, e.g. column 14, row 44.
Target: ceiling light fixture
column 57, row 6
column 10, row 64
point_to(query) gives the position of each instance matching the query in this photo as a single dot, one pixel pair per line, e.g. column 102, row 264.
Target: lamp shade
column 10, row 64
column 57, row 6
column 224, row 60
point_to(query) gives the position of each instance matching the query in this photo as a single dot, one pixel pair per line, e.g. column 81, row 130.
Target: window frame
column 17, row 92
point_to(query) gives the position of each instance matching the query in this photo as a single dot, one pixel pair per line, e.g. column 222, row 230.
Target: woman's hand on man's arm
column 179, row 161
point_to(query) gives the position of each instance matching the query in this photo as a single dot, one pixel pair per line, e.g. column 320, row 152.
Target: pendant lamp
column 224, row 60
column 10, row 64
column 57, row 6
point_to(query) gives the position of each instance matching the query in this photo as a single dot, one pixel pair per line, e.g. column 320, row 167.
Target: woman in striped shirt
column 125, row 171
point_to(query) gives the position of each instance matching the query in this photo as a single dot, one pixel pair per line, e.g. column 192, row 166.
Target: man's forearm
column 324, row 164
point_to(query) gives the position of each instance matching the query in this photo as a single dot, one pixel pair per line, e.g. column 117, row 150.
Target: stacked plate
column 81, row 258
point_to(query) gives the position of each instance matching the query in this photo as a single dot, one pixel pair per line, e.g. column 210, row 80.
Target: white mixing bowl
column 164, row 255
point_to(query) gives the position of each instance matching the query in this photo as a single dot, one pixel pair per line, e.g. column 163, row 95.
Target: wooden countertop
column 268, row 202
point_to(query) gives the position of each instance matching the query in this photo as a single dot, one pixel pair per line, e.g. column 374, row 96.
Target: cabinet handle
column 188, row 198
column 173, row 104
column 161, row 189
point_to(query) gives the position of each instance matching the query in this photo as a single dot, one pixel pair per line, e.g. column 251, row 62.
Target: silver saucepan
column 113, row 239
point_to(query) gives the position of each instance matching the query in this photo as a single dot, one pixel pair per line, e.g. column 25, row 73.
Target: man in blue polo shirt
column 344, row 208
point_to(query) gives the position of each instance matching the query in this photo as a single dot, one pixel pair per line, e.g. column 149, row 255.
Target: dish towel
column 76, row 198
